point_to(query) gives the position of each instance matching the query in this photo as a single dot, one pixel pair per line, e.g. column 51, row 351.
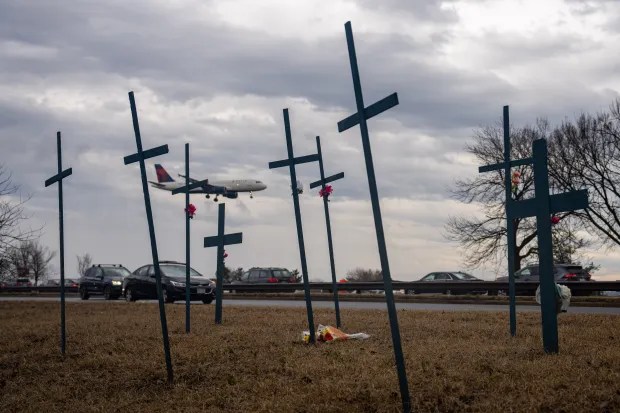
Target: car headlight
column 177, row 284
column 116, row 282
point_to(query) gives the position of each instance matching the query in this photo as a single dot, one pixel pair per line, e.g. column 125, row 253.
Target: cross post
column 139, row 157
column 362, row 115
column 219, row 241
column 291, row 161
column 510, row 221
column 58, row 178
column 542, row 206
column 186, row 190
column 330, row 245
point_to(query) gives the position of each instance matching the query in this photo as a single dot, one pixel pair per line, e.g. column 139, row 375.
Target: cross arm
column 59, row 176
column 332, row 178
column 160, row 150
column 568, row 201
column 298, row 160
column 229, row 239
column 372, row 110
column 502, row 165
column 193, row 185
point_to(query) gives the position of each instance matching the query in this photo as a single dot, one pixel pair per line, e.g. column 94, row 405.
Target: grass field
column 255, row 362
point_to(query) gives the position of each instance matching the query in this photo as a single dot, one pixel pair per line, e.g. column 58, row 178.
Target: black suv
column 106, row 279
column 266, row 276
column 141, row 283
column 562, row 273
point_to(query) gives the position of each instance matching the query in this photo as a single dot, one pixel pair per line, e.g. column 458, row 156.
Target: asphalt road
column 359, row 305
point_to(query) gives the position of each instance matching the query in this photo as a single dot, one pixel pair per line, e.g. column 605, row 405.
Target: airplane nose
column 263, row 186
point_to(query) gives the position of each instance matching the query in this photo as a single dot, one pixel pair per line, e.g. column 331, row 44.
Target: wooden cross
column 510, row 226
column 58, row 178
column 140, row 156
column 322, row 182
column 291, row 161
column 186, row 190
column 542, row 206
column 219, row 241
column 362, row 115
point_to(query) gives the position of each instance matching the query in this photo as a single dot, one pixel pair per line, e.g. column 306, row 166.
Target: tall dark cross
column 291, row 161
column 58, row 178
column 542, row 206
column 322, row 182
column 219, row 241
column 186, row 190
column 140, row 156
column 510, row 221
column 364, row 113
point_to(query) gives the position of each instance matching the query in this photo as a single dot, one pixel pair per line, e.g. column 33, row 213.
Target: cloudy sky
column 217, row 74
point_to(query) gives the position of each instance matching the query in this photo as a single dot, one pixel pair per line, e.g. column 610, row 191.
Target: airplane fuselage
column 234, row 185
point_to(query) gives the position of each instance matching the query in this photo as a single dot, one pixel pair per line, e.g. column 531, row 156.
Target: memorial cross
column 219, row 241
column 58, row 178
column 362, row 115
column 291, row 161
column 139, row 157
column 322, row 182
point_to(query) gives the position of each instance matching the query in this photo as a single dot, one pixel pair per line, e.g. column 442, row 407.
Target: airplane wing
column 191, row 180
column 208, row 188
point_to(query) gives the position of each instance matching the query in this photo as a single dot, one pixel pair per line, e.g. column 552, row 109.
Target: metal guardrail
column 417, row 286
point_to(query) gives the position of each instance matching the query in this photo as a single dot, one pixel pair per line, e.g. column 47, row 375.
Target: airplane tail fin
column 162, row 175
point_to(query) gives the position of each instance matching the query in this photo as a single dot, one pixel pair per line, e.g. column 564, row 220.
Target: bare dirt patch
column 255, row 362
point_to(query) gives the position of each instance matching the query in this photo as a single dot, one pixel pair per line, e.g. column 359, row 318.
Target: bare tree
column 12, row 214
column 484, row 238
column 587, row 155
column 84, row 262
column 363, row 275
column 30, row 259
column 296, row 276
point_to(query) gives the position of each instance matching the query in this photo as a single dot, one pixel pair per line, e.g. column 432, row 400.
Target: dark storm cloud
column 428, row 10
column 182, row 59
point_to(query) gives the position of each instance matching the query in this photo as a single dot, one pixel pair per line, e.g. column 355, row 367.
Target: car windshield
column 463, row 276
column 117, row 272
column 178, row 270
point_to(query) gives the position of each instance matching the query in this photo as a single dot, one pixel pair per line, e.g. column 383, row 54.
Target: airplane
column 229, row 189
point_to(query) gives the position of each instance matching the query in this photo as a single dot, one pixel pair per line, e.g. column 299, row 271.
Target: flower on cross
column 326, row 192
column 190, row 210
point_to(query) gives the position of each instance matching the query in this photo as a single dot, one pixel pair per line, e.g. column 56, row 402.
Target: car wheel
column 208, row 300
column 107, row 293
column 84, row 294
column 167, row 298
column 129, row 295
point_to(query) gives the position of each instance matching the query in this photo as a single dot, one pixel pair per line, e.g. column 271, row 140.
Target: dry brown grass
column 255, row 362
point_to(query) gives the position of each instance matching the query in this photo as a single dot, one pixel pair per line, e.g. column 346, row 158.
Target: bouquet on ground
column 326, row 334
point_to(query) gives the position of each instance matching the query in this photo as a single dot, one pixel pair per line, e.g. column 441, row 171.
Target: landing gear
column 215, row 199
column 251, row 195
column 208, row 196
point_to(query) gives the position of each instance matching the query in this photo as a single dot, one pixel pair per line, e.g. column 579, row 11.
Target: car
column 437, row 282
column 561, row 272
column 265, row 275
column 141, row 283
column 106, row 279
column 52, row 283
column 72, row 282
column 23, row 282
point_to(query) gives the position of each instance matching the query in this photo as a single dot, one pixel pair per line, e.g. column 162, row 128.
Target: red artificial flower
column 555, row 220
column 326, row 192
column 225, row 254
column 191, row 210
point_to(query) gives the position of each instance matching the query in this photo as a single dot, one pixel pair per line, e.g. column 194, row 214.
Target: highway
column 354, row 305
